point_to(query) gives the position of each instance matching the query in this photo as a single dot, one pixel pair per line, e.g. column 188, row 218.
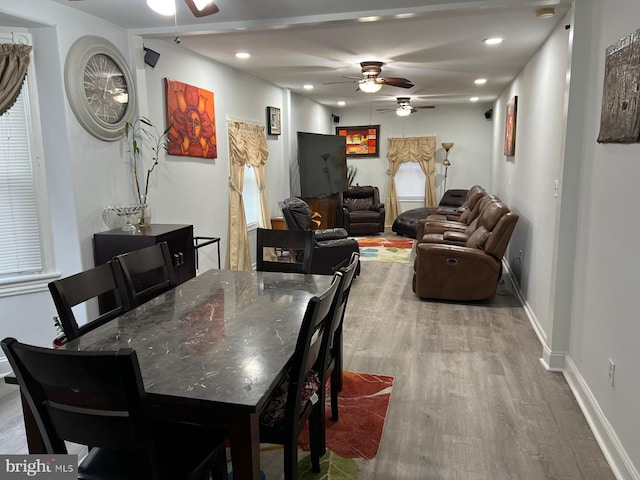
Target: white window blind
column 251, row 197
column 410, row 181
column 20, row 243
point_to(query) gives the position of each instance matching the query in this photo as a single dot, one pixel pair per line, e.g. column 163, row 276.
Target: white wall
column 578, row 275
column 526, row 181
column 604, row 321
column 465, row 125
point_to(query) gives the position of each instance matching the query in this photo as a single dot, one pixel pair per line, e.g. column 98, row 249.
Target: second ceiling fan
column 404, row 107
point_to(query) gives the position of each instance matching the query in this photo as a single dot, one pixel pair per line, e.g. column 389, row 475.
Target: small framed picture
column 273, row 121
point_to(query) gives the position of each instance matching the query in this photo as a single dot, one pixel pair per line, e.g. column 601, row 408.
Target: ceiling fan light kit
column 199, row 8
column 163, row 7
column 369, row 85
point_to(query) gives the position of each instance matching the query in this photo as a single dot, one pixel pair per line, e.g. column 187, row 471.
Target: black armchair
column 332, row 248
column 360, row 211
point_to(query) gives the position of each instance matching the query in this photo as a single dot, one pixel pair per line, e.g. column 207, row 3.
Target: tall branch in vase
column 144, row 136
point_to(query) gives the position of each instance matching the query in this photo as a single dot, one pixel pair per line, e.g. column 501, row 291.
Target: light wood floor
column 471, row 399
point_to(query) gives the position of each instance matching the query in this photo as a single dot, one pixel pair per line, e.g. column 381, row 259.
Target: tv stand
column 325, row 205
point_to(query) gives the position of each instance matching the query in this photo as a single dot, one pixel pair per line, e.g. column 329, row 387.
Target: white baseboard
column 605, row 435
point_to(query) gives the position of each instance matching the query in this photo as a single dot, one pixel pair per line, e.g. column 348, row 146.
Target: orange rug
column 362, row 404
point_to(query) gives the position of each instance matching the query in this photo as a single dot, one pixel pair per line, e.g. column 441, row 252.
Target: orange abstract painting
column 191, row 114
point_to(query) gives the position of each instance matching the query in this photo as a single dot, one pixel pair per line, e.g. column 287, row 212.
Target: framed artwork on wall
column 273, row 121
column 510, row 127
column 191, row 114
column 362, row 141
column 620, row 116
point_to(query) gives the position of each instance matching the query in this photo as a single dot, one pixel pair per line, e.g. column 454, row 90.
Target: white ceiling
column 294, row 42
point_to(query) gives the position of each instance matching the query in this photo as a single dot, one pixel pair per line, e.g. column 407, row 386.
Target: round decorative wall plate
column 99, row 87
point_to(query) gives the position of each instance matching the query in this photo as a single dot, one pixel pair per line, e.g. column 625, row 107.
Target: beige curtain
column 14, row 62
column 247, row 146
column 410, row 149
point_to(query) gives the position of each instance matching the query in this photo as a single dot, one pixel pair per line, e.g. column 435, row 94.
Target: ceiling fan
column 404, row 107
column 371, row 83
column 199, row 8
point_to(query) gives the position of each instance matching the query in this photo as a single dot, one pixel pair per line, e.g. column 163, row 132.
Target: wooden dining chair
column 297, row 244
column 296, row 398
column 98, row 399
column 82, row 287
column 334, row 362
column 145, row 273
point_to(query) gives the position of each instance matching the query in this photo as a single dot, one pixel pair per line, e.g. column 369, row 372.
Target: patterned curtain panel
column 247, row 146
column 410, row 149
column 14, row 62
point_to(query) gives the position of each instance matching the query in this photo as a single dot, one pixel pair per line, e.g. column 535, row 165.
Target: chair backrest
column 473, row 205
column 486, row 224
column 297, row 213
column 342, row 297
column 359, row 198
column 77, row 289
column 315, row 327
column 145, row 273
column 297, row 243
column 89, row 398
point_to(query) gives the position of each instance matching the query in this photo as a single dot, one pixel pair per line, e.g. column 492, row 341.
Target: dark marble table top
column 223, row 337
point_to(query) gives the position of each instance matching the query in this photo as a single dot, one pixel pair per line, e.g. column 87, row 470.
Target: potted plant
column 61, row 339
column 143, row 136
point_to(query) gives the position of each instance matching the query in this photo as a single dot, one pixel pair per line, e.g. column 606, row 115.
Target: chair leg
column 338, row 362
column 291, row 461
column 317, row 440
column 335, row 382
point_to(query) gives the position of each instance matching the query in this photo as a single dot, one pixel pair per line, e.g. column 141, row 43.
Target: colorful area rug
column 352, row 442
column 385, row 249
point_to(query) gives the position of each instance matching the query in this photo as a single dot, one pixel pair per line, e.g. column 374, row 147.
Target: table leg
column 244, row 436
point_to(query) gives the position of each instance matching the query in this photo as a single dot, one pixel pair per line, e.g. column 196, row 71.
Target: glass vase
column 145, row 213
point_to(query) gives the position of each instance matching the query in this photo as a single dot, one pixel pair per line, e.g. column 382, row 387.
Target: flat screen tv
column 322, row 162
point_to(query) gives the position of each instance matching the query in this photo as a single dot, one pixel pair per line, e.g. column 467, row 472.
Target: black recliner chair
column 360, row 211
column 332, row 248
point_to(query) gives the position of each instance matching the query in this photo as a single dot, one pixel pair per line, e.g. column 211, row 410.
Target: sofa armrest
column 457, row 237
column 330, row 234
column 439, row 226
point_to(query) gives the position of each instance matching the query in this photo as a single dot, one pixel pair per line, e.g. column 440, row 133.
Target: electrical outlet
column 612, row 373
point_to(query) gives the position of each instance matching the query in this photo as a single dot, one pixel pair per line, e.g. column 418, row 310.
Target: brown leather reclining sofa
column 462, row 259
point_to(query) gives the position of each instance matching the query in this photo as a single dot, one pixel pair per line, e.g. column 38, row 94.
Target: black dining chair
column 297, row 244
column 82, row 287
column 295, row 399
column 145, row 273
column 335, row 363
column 98, row 399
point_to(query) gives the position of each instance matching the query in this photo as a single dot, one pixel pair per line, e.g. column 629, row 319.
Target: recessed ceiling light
column 342, row 103
column 546, row 12
column 308, row 86
column 368, row 19
column 474, row 99
column 243, row 55
column 404, row 15
column 480, row 81
column 493, row 41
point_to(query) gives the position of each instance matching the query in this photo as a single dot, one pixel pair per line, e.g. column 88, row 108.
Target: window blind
column 20, row 246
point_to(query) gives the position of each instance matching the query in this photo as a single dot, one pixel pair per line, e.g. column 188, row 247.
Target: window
column 410, row 181
column 251, row 198
column 20, row 252
column 23, row 258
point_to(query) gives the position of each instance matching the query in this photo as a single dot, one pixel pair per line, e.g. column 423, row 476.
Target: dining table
column 213, row 349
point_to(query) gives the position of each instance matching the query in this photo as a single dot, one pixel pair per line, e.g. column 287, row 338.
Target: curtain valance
column 14, row 62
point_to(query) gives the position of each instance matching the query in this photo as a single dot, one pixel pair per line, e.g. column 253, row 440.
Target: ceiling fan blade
column 395, row 82
column 201, row 8
column 424, row 106
column 343, row 81
column 385, row 109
